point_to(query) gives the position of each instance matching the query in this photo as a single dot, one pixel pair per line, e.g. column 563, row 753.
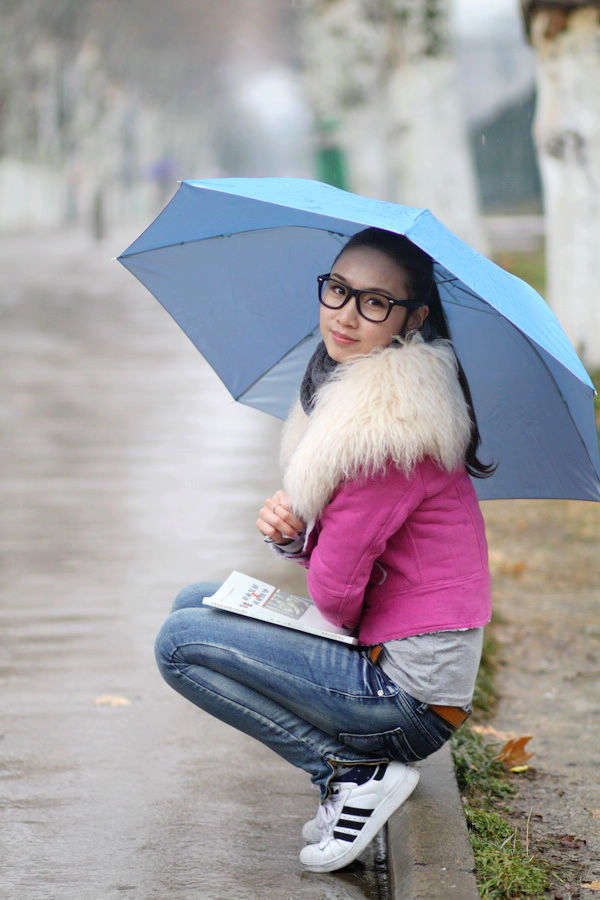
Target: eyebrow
column 374, row 290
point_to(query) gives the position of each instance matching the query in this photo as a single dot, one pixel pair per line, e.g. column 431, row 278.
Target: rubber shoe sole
column 396, row 786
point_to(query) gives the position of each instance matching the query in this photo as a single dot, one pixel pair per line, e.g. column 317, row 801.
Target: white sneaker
column 353, row 814
column 311, row 831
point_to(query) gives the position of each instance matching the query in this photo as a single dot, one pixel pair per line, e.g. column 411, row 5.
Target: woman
column 378, row 506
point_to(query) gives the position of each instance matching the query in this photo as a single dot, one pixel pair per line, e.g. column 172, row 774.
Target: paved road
column 127, row 473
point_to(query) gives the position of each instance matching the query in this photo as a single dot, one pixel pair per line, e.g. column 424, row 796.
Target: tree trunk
column 385, row 74
column 567, row 134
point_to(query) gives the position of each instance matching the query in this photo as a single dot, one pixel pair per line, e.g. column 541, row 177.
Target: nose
column 348, row 313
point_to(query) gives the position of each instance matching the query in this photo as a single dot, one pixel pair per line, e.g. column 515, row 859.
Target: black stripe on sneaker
column 342, row 836
column 380, row 772
column 355, row 811
column 348, row 823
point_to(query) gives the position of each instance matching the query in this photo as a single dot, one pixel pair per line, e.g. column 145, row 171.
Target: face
column 347, row 334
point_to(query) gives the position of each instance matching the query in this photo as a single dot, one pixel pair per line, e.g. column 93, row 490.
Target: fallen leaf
column 111, row 700
column 591, row 885
column 569, row 840
column 513, row 752
column 515, row 569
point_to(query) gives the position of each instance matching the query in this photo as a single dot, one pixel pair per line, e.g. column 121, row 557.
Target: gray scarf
column 321, row 365
column 319, row 368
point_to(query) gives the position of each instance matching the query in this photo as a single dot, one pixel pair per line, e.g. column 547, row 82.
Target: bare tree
column 386, row 73
column 566, row 38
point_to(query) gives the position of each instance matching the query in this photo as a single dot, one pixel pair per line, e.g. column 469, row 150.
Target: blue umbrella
column 235, row 261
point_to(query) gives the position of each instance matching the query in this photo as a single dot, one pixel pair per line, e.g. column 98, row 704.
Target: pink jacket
column 396, row 541
column 397, row 556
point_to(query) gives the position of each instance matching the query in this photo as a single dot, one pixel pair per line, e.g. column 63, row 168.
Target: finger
column 268, row 531
column 272, row 534
column 280, row 505
column 273, row 520
column 286, row 522
column 291, row 520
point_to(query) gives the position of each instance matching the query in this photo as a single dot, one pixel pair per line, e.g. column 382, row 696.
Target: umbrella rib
column 231, row 234
column 486, row 309
column 536, row 350
column 446, row 280
column 276, row 363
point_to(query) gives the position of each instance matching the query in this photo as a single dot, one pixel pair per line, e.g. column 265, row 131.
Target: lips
column 342, row 338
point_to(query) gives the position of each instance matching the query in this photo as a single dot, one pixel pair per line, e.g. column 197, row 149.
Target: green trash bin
column 331, row 163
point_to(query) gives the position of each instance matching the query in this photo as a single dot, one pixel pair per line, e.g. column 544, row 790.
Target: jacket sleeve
column 354, row 529
column 294, row 550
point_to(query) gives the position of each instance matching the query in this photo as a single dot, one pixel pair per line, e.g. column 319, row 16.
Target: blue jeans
column 314, row 701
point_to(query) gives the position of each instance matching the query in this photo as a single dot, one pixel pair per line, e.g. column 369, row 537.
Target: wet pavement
column 127, row 472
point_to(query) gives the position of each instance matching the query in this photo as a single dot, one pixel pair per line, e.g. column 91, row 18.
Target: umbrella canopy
column 235, row 261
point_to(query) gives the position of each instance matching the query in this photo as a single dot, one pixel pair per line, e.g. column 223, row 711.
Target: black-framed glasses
column 371, row 305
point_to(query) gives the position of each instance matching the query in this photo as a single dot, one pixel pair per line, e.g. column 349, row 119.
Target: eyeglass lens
column 374, row 307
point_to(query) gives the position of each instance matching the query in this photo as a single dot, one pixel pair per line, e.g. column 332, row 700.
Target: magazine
column 259, row 600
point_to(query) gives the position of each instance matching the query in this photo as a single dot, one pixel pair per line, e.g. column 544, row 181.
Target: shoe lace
column 327, row 815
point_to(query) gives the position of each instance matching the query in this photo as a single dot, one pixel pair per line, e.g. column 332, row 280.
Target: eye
column 374, row 301
column 338, row 288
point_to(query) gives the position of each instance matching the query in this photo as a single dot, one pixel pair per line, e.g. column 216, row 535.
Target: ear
column 416, row 318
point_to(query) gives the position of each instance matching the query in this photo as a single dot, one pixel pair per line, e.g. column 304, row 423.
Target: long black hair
column 418, row 266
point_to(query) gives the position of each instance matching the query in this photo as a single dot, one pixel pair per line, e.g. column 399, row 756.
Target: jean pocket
column 407, row 744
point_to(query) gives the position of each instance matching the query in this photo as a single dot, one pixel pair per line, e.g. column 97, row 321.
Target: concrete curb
column 429, row 855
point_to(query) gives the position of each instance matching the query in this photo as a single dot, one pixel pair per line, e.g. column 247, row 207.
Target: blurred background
column 104, row 105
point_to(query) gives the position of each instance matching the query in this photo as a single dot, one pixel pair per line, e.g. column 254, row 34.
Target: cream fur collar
column 402, row 403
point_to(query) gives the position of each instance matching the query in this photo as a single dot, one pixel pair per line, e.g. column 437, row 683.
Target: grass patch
column 504, row 868
column 481, row 778
column 529, row 265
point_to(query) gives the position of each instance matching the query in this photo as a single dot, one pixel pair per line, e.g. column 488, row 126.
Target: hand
column 277, row 521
